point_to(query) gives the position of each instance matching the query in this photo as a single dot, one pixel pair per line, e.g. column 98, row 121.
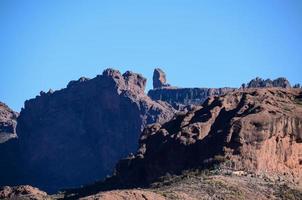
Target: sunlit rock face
column 75, row 136
column 254, row 130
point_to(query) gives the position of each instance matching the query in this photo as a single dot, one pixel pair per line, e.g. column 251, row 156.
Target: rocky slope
column 251, row 130
column 75, row 136
column 8, row 123
column 23, row 192
column 190, row 185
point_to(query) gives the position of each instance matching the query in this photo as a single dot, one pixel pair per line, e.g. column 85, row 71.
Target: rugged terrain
column 190, row 185
column 251, row 130
column 182, row 97
column 223, row 143
column 86, row 127
column 179, row 98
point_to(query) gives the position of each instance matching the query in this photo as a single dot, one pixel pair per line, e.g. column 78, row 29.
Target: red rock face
column 256, row 130
column 75, row 136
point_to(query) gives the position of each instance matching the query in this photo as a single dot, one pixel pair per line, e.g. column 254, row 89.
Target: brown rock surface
column 8, row 123
column 76, row 135
column 261, row 83
column 159, row 79
column 24, row 192
column 256, row 130
column 134, row 194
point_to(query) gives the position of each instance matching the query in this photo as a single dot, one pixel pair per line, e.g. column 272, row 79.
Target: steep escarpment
column 74, row 136
column 251, row 130
column 180, row 97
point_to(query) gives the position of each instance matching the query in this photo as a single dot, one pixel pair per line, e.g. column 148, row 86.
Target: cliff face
column 74, row 136
column 179, row 98
column 8, row 123
column 255, row 130
column 186, row 96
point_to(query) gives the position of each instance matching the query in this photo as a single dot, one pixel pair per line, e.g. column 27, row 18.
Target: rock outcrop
column 182, row 97
column 8, row 123
column 251, row 130
column 159, row 79
column 24, row 192
column 8, row 145
column 179, row 98
column 75, row 136
column 261, row 83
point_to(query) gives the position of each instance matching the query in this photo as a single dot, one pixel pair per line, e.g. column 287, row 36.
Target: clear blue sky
column 45, row 44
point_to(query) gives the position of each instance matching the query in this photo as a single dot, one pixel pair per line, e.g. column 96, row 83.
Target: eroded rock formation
column 24, row 192
column 179, row 98
column 8, row 123
column 261, row 83
column 256, row 130
column 75, row 136
column 159, row 79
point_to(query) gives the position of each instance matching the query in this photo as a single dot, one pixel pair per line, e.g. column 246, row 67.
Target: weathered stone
column 24, row 192
column 8, row 123
column 256, row 130
column 75, row 136
column 159, row 79
column 260, row 83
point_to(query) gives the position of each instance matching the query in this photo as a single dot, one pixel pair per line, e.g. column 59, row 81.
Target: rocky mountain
column 8, row 123
column 181, row 97
column 250, row 130
column 261, row 83
column 75, row 136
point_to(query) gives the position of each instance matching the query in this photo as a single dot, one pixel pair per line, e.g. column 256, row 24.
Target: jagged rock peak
column 261, row 83
column 159, row 79
column 135, row 81
column 80, row 80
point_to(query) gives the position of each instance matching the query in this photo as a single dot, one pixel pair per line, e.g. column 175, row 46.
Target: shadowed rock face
column 179, row 98
column 261, row 83
column 8, row 123
column 74, row 136
column 257, row 130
